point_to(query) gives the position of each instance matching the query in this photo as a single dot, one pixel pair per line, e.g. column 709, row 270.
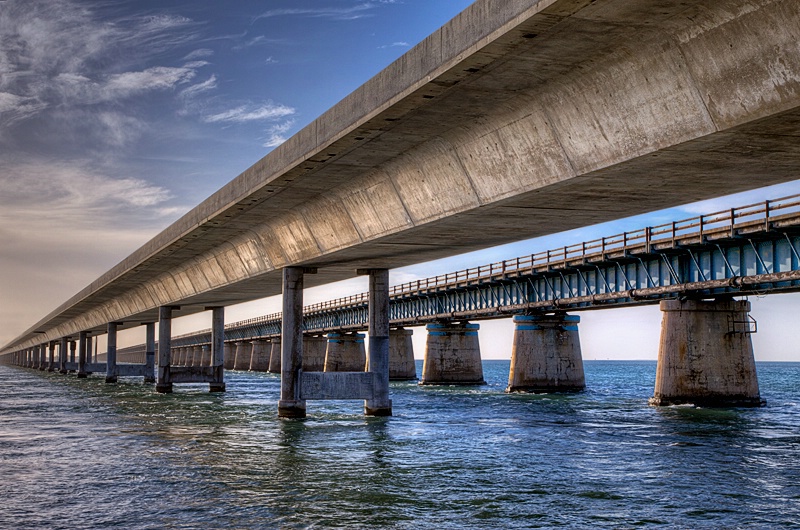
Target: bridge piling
column 217, row 350
column 82, row 355
column 314, row 350
column 705, row 355
column 259, row 359
column 42, row 357
column 452, row 355
column 345, row 353
column 290, row 404
column 244, row 351
column 72, row 359
column 401, row 355
column 112, row 372
column 150, row 353
column 546, row 355
column 378, row 365
column 51, row 361
column 205, row 355
column 164, row 377
column 275, row 353
column 229, row 355
column 62, row 356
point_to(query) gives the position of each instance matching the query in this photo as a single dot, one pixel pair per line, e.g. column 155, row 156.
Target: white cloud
column 246, row 113
column 276, row 134
column 398, row 44
column 336, row 13
column 199, row 88
column 198, row 54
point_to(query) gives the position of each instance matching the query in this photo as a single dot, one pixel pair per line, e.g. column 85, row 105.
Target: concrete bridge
column 692, row 267
column 514, row 120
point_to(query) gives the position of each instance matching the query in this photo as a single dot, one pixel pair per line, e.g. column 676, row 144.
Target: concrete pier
column 51, row 362
column 546, row 355
column 705, row 356
column 197, row 356
column 379, row 404
column 111, row 354
column 290, row 404
column 62, row 356
column 82, row 355
column 163, row 377
column 72, row 358
column 42, row 357
column 259, row 358
column 244, row 351
column 452, row 355
column 401, row 355
column 275, row 353
column 217, row 350
column 314, row 349
column 150, row 353
column 230, row 355
column 345, row 353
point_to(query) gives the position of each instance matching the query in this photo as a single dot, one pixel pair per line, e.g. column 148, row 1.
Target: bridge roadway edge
column 566, row 174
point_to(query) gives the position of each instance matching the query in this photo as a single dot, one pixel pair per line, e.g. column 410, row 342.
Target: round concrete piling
column 546, row 355
column 706, row 355
column 259, row 359
column 244, row 351
column 229, row 355
column 452, row 355
column 345, row 353
column 401, row 355
column 314, row 350
column 205, row 355
column 275, row 356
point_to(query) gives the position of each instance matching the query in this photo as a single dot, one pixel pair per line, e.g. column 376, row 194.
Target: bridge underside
column 508, row 123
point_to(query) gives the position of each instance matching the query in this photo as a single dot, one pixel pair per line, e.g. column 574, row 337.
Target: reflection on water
column 83, row 454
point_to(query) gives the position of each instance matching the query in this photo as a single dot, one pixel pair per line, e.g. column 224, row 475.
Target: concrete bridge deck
column 516, row 119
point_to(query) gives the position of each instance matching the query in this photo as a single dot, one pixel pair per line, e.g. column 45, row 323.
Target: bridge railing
column 722, row 223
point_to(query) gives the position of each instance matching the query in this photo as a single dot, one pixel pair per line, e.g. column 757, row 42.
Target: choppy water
column 83, row 454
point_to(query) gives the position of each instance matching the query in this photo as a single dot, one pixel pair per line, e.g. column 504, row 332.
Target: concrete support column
column 150, row 352
column 62, row 356
column 314, row 348
column 217, row 349
column 72, row 358
column 259, row 359
column 401, row 355
column 230, row 355
column 111, row 354
column 43, row 357
column 163, row 376
column 345, row 353
column 706, row 355
column 452, row 355
column 82, row 355
column 275, row 353
column 244, row 351
column 51, row 361
column 88, row 351
column 290, row 404
column 380, row 404
column 546, row 355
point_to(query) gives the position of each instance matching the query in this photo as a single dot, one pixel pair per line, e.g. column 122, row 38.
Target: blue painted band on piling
column 452, row 327
column 450, row 334
column 534, row 327
column 551, row 318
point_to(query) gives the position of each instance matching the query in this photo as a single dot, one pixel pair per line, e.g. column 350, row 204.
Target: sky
column 117, row 117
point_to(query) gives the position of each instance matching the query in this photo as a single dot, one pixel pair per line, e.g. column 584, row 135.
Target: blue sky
column 118, row 117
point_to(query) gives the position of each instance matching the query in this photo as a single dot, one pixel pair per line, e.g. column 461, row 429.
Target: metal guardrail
column 725, row 223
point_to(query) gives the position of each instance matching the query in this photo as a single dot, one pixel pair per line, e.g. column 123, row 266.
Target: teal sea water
column 83, row 454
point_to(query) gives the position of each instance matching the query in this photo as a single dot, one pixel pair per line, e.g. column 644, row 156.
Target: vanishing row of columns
column 705, row 355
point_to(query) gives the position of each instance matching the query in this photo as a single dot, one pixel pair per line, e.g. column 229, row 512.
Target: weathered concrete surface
column 706, row 356
column 541, row 115
column 338, row 385
column 244, row 351
column 345, row 353
column 401, row 355
column 275, row 356
column 452, row 355
column 259, row 359
column 314, row 348
column 230, row 355
column 546, row 355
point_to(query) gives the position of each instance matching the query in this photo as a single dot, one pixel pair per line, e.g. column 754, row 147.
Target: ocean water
column 83, row 454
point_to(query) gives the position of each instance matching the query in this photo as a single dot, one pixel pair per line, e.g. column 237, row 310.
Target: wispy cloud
column 247, row 113
column 276, row 134
column 359, row 10
column 399, row 44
